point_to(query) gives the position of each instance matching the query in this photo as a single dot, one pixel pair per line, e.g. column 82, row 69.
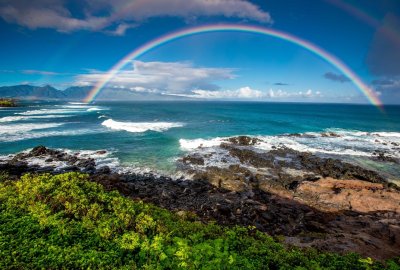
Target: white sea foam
column 76, row 106
column 387, row 134
column 197, row 143
column 348, row 143
column 21, row 128
column 49, row 111
column 137, row 127
column 78, row 103
column 42, row 134
column 25, row 118
column 102, row 158
column 95, row 109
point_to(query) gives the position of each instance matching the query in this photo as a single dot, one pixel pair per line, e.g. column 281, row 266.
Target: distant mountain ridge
column 48, row 92
column 31, row 92
column 42, row 92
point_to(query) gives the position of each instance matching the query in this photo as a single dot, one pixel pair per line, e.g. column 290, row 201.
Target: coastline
column 334, row 206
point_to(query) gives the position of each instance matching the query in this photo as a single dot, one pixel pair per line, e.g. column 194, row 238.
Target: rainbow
column 331, row 59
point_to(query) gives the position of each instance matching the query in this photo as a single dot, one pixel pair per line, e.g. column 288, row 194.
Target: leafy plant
column 66, row 221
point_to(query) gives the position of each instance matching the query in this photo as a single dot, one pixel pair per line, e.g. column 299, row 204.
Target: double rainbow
column 334, row 61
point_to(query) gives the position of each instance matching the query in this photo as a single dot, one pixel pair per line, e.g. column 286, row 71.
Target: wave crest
column 138, row 127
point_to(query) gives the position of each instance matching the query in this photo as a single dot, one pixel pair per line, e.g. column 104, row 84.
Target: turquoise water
column 122, row 127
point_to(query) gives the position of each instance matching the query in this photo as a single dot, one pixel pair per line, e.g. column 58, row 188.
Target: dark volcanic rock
column 330, row 134
column 38, row 151
column 312, row 200
column 192, row 159
column 275, row 214
column 234, row 178
column 243, row 140
column 19, row 164
column 382, row 156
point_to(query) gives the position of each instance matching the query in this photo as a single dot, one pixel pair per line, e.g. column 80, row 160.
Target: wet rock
column 72, row 168
column 298, row 135
column 301, row 135
column 243, row 140
column 195, row 160
column 84, row 163
column 66, row 162
column 38, row 151
column 384, row 157
column 103, row 170
column 330, row 134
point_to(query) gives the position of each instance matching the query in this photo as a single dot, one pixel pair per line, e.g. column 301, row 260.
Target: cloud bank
column 183, row 79
column 162, row 77
column 117, row 16
column 250, row 94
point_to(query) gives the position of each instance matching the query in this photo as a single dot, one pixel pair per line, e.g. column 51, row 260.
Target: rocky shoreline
column 297, row 197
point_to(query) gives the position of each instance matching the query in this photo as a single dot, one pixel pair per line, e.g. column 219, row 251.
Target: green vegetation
column 7, row 102
column 66, row 221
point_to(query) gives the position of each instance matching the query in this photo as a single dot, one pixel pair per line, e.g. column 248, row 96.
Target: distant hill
column 75, row 93
column 31, row 92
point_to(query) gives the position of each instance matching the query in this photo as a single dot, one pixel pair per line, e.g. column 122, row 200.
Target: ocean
column 151, row 136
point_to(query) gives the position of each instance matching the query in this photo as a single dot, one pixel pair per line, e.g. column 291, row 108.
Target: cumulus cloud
column 286, row 94
column 120, row 15
column 241, row 93
column 336, row 77
column 250, row 94
column 169, row 77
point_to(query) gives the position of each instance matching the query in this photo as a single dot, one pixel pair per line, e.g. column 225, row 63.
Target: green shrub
column 65, row 221
column 6, row 102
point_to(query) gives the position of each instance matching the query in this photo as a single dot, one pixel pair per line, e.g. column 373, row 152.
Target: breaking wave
column 138, row 127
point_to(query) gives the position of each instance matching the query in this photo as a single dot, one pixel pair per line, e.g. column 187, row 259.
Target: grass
column 66, row 221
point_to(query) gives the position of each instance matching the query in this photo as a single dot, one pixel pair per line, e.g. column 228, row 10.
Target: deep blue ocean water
column 154, row 134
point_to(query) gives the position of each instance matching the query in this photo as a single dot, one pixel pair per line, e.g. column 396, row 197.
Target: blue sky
column 65, row 43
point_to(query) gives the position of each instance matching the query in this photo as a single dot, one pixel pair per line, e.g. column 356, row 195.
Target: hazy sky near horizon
column 73, row 42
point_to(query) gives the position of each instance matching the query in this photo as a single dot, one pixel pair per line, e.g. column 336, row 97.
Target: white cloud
column 186, row 80
column 34, row 72
column 300, row 94
column 162, row 77
column 120, row 15
column 249, row 93
column 244, row 93
column 39, row 72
